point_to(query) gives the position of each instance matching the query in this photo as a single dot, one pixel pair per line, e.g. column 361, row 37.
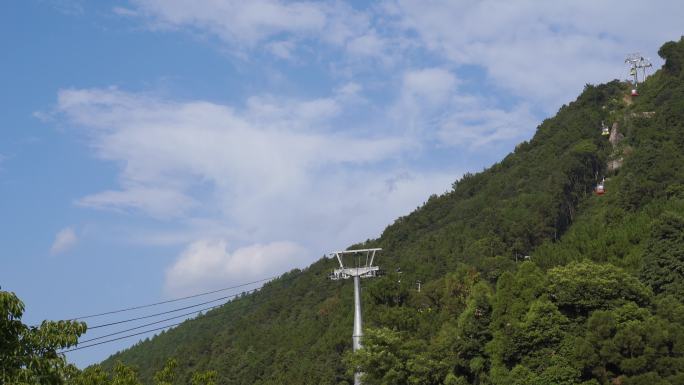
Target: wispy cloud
column 431, row 106
column 209, row 263
column 539, row 52
column 432, row 85
column 65, row 239
column 159, row 202
column 475, row 124
column 68, row 7
column 246, row 23
column 274, row 169
column 272, row 175
column 123, row 11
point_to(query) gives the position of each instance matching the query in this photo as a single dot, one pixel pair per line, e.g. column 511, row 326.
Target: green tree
column 124, row 375
column 663, row 266
column 167, row 375
column 93, row 375
column 204, row 378
column 392, row 358
column 30, row 354
column 553, row 320
column 582, row 287
column 461, row 345
column 630, row 341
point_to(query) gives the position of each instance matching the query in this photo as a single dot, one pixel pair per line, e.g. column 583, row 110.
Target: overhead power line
column 190, row 306
column 119, row 338
column 171, row 300
column 153, row 323
column 161, row 313
column 150, row 330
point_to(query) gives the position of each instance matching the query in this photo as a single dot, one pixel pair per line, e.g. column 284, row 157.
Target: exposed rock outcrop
column 615, row 136
column 615, row 162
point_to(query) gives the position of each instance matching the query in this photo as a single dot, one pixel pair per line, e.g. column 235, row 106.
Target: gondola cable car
column 600, row 187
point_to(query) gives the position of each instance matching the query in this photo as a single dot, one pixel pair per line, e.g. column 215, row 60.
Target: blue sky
column 152, row 149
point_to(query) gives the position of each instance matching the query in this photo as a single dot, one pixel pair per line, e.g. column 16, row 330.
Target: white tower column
column 358, row 320
column 358, row 324
column 367, row 270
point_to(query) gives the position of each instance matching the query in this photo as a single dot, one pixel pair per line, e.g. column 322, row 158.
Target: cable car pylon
column 367, row 270
column 636, row 62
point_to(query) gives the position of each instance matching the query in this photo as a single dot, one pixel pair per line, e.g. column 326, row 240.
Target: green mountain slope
column 599, row 299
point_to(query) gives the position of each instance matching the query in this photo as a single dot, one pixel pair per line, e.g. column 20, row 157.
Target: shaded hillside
column 599, row 301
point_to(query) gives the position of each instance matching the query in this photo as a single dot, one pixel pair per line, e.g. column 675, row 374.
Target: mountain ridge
column 467, row 247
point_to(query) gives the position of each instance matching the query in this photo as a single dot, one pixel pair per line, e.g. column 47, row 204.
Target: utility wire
column 160, row 313
column 132, row 335
column 139, row 333
column 157, row 322
column 185, row 307
column 120, row 338
column 171, row 300
column 148, row 331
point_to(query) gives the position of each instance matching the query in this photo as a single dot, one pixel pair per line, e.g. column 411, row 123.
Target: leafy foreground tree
column 124, row 375
column 29, row 354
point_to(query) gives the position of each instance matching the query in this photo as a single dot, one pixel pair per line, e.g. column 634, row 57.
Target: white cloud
column 291, row 114
column 282, row 49
column 327, row 171
column 237, row 21
column 540, row 53
column 247, row 23
column 475, row 124
column 431, row 107
column 65, row 239
column 368, row 44
column 123, row 11
column 276, row 169
column 158, row 202
column 434, row 85
column 281, row 27
column 543, row 52
column 207, row 263
column 349, row 91
column 68, row 7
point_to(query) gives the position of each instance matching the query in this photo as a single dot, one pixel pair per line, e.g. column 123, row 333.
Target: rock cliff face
column 615, row 162
column 616, row 159
column 615, row 136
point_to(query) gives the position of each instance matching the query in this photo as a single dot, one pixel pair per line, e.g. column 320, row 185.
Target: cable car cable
column 185, row 307
column 154, row 323
column 171, row 300
column 158, row 314
column 152, row 330
column 119, row 338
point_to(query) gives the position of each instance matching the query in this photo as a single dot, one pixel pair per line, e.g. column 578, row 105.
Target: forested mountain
column 528, row 277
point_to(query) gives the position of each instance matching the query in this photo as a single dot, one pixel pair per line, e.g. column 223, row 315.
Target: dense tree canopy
column 29, row 354
column 527, row 277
